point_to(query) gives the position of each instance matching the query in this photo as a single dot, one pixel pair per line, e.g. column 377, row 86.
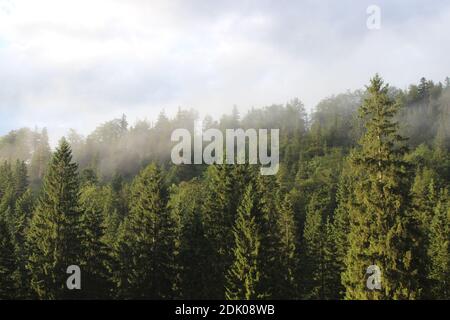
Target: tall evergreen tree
column 41, row 157
column 6, row 178
column 20, row 176
column 319, row 271
column 95, row 252
column 7, row 194
column 424, row 199
column 192, row 247
column 53, row 234
column 380, row 224
column 288, row 255
column 219, row 216
column 341, row 224
column 8, row 288
column 115, row 208
column 22, row 216
column 14, row 187
column 145, row 246
column 439, row 249
column 268, row 222
column 332, row 266
column 244, row 274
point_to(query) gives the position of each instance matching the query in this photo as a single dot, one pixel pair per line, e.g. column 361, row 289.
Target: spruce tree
column 6, row 178
column 341, row 224
column 7, row 204
column 288, row 255
column 145, row 248
column 114, row 213
column 332, row 268
column 41, row 157
column 14, row 187
column 268, row 222
column 424, row 198
column 319, row 270
column 381, row 230
column 439, row 249
column 192, row 247
column 22, row 213
column 244, row 274
column 20, row 176
column 8, row 287
column 95, row 252
column 52, row 237
column 218, row 210
column 7, row 194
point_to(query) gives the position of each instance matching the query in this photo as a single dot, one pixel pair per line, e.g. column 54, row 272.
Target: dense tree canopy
column 363, row 181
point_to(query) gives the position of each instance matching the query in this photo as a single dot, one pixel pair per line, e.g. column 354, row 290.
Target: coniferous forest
column 364, row 180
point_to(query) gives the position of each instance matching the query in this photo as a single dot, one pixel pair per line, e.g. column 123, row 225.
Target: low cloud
column 74, row 64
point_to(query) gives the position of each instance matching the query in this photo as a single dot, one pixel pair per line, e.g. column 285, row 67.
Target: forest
column 364, row 180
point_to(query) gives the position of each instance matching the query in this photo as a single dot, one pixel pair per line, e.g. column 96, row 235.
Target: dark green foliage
column 439, row 249
column 320, row 275
column 192, row 247
column 8, row 287
column 225, row 231
column 268, row 221
column 244, row 274
column 53, row 237
column 95, row 252
column 22, row 216
column 341, row 225
column 381, row 230
column 146, row 241
column 15, row 209
column 288, row 255
column 219, row 214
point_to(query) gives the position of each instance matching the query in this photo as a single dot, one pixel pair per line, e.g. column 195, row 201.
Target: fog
column 76, row 64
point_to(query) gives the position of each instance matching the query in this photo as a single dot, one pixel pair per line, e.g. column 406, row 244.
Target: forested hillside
column 363, row 180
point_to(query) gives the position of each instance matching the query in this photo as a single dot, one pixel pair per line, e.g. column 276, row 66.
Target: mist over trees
column 363, row 180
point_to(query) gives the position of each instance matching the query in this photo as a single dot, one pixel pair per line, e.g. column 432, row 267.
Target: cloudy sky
column 77, row 63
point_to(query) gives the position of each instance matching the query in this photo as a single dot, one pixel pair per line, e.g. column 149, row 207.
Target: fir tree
column 41, row 156
column 145, row 247
column 6, row 178
column 53, row 234
column 8, row 288
column 288, row 284
column 268, row 222
column 192, row 247
column 22, row 213
column 244, row 275
column 7, row 194
column 332, row 267
column 14, row 186
column 219, row 216
column 341, row 224
column 424, row 199
column 318, row 268
column 439, row 249
column 20, row 176
column 95, row 252
column 115, row 208
column 380, row 224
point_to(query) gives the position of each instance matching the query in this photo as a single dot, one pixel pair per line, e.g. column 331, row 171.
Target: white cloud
column 75, row 63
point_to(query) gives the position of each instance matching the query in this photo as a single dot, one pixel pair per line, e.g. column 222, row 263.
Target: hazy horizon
column 78, row 64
